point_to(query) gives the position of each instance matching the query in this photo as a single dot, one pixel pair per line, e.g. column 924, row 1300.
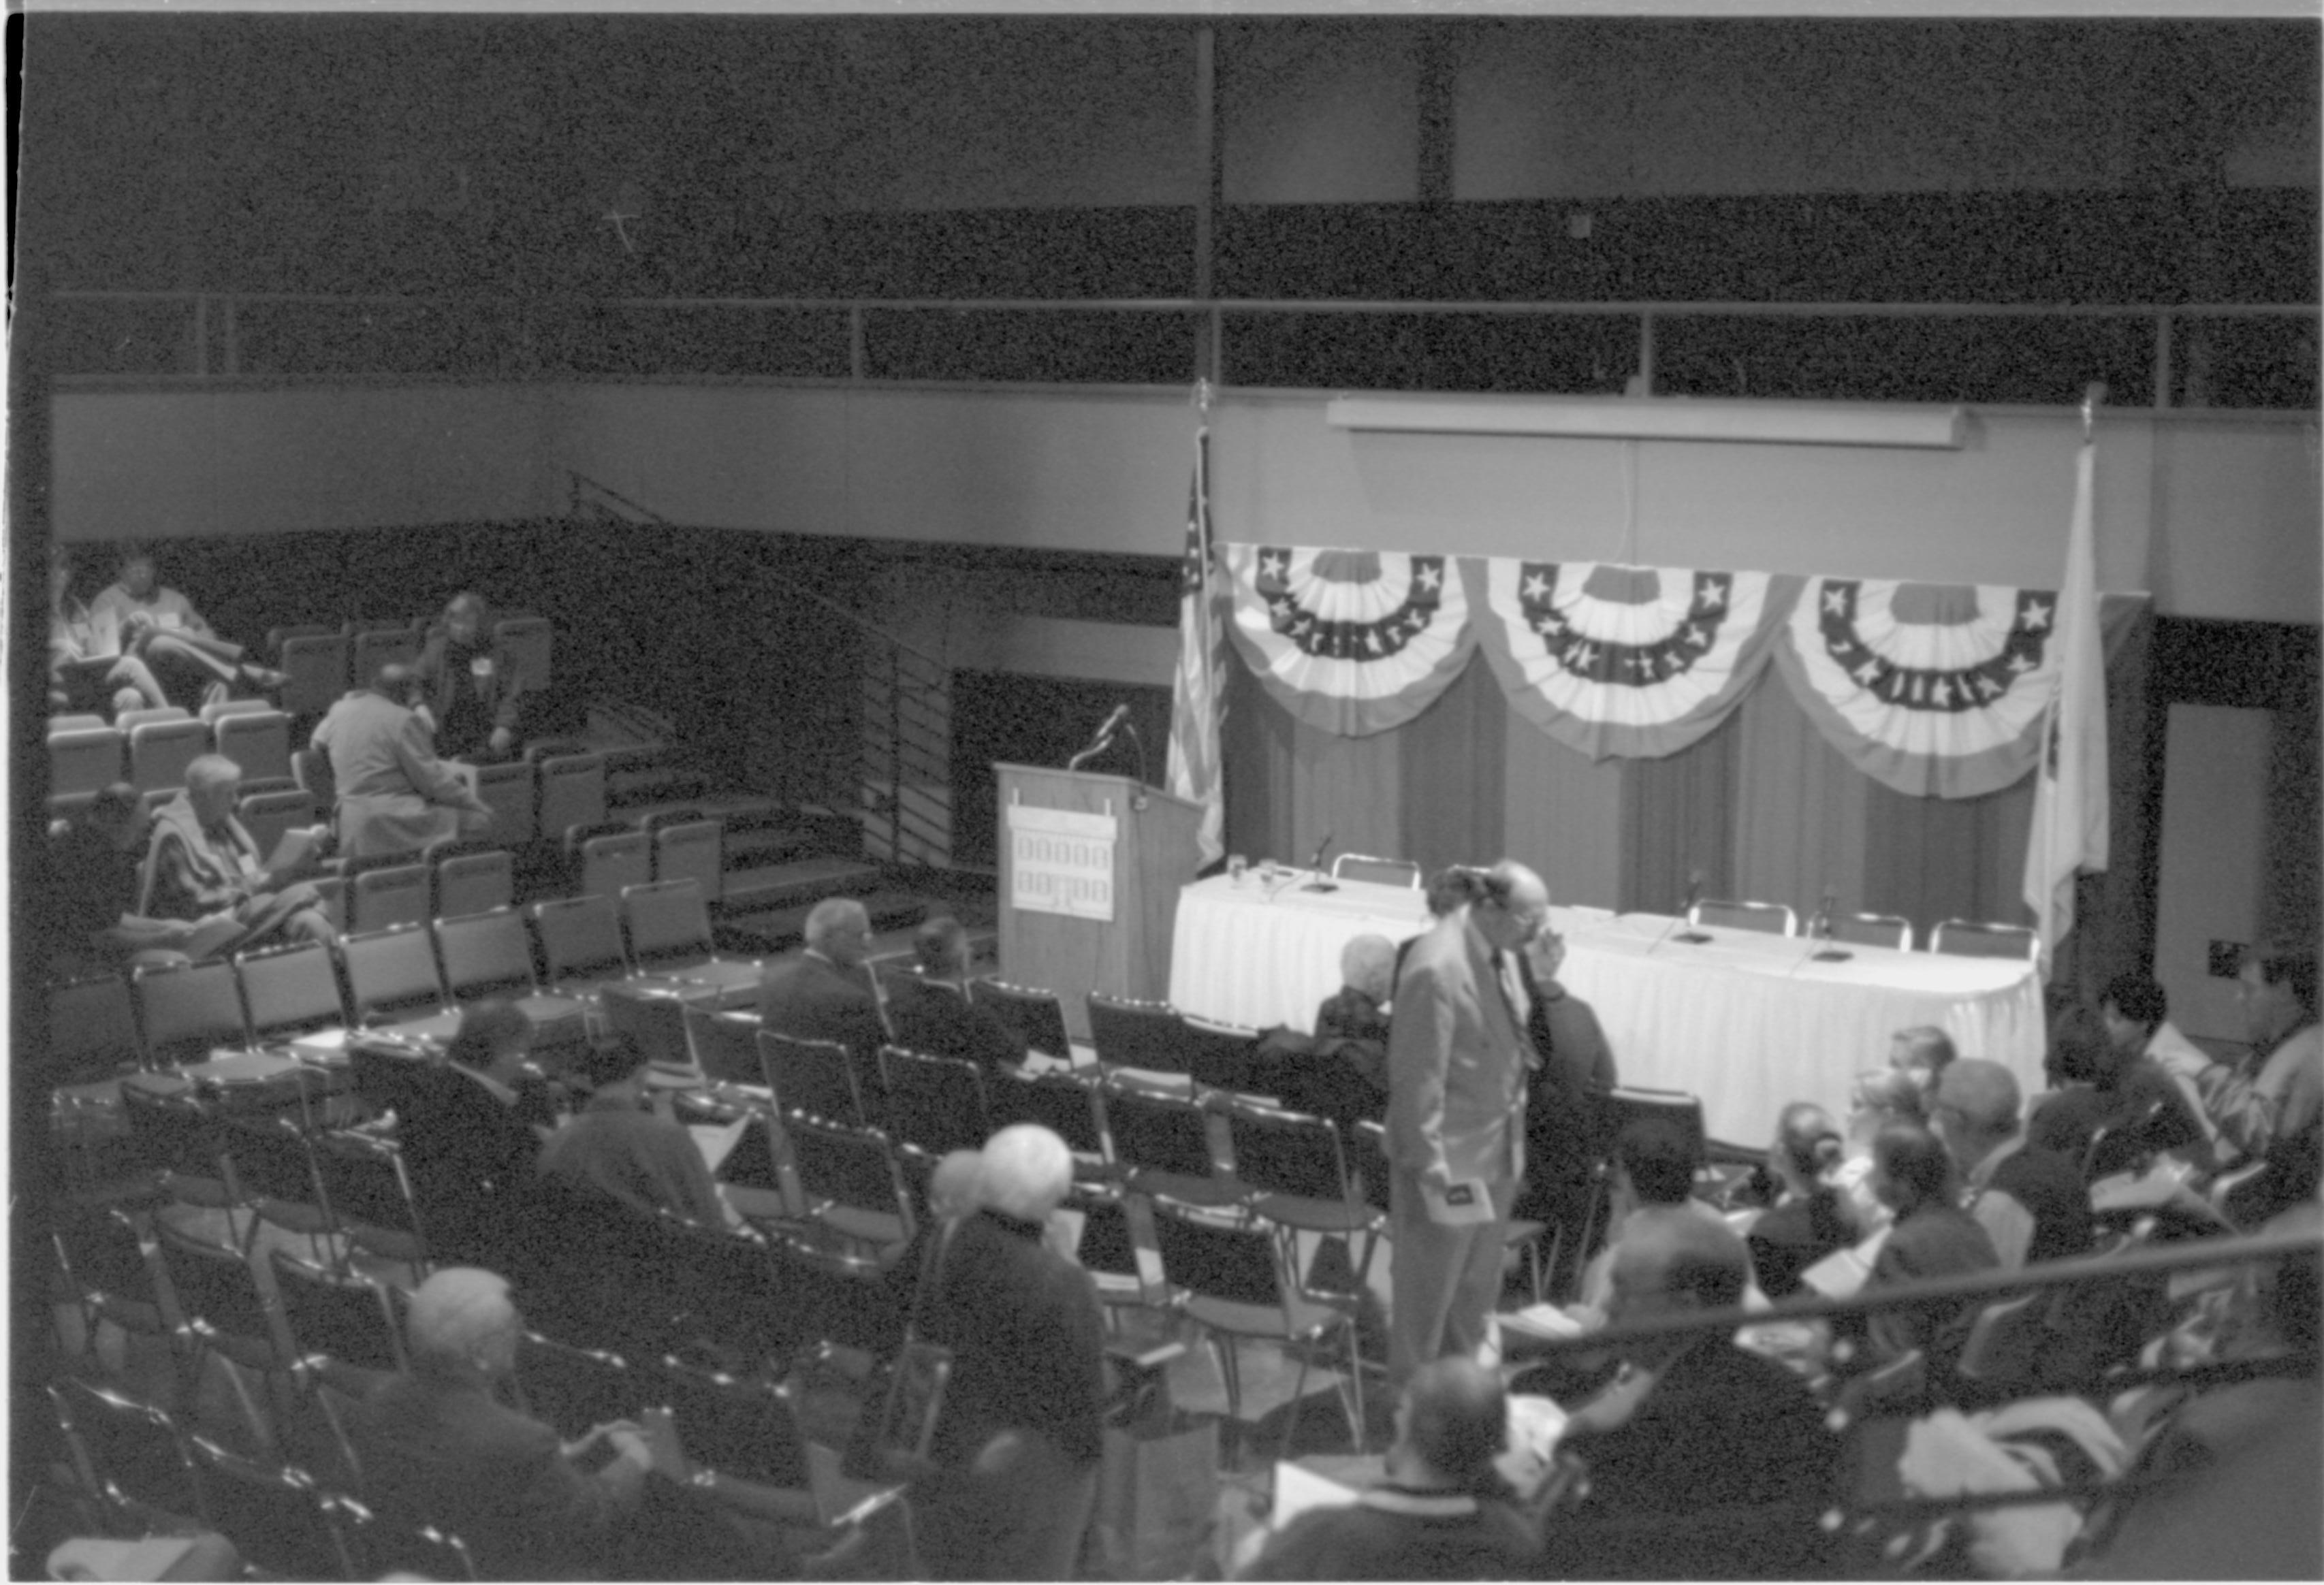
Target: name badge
column 481, row 666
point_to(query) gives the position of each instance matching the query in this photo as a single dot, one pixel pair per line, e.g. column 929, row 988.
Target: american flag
column 1197, row 703
column 2068, row 833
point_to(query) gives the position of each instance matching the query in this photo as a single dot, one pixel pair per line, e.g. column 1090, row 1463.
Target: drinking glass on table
column 1236, row 865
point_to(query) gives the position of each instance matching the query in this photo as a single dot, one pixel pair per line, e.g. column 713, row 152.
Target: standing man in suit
column 825, row 993
column 1456, row 1114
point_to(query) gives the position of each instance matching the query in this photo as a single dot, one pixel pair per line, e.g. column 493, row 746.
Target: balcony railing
column 2150, row 355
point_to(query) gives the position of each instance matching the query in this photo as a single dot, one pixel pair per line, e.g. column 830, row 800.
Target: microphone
column 1317, row 864
column 1696, row 881
column 1121, row 714
column 1103, row 736
column 1821, row 929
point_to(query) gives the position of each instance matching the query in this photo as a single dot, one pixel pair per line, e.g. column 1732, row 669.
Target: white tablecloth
column 1747, row 1022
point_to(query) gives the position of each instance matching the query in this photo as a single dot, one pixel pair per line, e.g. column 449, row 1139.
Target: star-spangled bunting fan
column 2070, row 790
column 1197, row 697
column 1628, row 660
column 1352, row 642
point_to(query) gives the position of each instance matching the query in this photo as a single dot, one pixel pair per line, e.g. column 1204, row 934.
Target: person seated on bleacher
column 1021, row 1427
column 161, row 627
column 464, row 691
column 202, row 861
column 1811, row 1217
column 87, row 673
column 94, row 865
column 1931, row 1236
column 394, row 795
column 2107, row 1082
column 823, row 993
column 2030, row 1201
column 932, row 1014
column 1440, row 1509
column 616, row 1145
column 1694, row 1434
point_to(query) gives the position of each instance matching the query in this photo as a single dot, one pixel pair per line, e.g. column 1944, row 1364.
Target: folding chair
column 1237, row 1283
column 1036, row 1015
column 690, row 850
column 725, row 1044
column 1293, row 1169
column 525, row 646
column 669, row 927
column 270, row 1170
column 382, row 896
column 509, row 789
column 84, row 760
column 383, row 1546
column 74, row 721
column 580, row 942
column 315, row 665
column 92, row 1030
column 1163, row 1145
column 222, row 1315
column 1969, row 938
column 850, row 1181
column 813, row 1077
column 271, row 1512
column 841, row 1300
column 1218, row 1055
column 738, row 1425
column 160, row 751
column 128, row 1457
column 260, row 743
column 574, row 1388
column 340, row 1315
column 393, row 984
column 654, row 1019
column 1772, row 919
column 1377, row 871
column 369, row 1197
column 266, row 816
column 489, row 954
column 471, row 878
column 187, row 1010
column 572, row 793
column 1890, row 930
column 379, row 646
column 288, row 992
column 1140, row 1034
column 606, row 857
column 108, row 1272
column 1064, row 1103
column 1108, row 1247
column 935, row 1103
column 130, row 720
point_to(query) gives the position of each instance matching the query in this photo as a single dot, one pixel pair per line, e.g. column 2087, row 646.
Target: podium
column 1091, row 865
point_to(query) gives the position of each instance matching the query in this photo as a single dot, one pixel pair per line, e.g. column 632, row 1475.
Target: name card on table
column 1061, row 861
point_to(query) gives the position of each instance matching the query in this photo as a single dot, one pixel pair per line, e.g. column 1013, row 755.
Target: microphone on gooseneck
column 1321, row 847
column 1317, row 864
column 1121, row 714
column 1696, row 881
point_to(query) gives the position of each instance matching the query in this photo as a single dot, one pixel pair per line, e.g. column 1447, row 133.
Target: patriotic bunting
column 1352, row 642
column 1625, row 660
column 1931, row 690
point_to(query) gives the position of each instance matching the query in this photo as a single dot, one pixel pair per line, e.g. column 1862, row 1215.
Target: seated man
column 203, row 862
column 1440, row 1513
column 92, row 919
column 617, row 1146
column 1654, row 1164
column 161, row 627
column 395, row 795
column 2271, row 1106
column 2109, row 1084
column 824, row 992
column 465, row 694
column 1018, row 1439
column 86, row 669
column 1697, row 1434
column 933, row 1016
column 2031, row 1202
column 1931, row 1236
column 2136, row 1011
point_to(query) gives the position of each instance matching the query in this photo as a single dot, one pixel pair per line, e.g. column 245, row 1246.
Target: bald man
column 825, row 993
column 1456, row 1113
column 2031, row 1202
column 1696, row 1424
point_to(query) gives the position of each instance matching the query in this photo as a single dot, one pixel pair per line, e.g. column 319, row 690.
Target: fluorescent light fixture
column 1625, row 418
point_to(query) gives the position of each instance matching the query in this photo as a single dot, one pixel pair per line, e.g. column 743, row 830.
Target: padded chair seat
column 1241, row 1320
column 736, row 983
column 556, row 1020
column 1312, row 1215
column 868, row 1227
column 1186, row 1187
column 438, row 1026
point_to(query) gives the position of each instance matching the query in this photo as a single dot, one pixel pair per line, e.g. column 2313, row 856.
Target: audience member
column 203, row 862
column 2137, row 1012
column 931, row 1013
column 87, row 669
column 1811, row 1217
column 825, row 993
column 1923, row 1051
column 1456, row 1116
column 1881, row 1096
column 471, row 1156
column 1932, row 1236
column 1704, row 1460
column 2271, row 1105
column 1018, row 1439
column 161, row 627
column 1342, row 1070
column 2030, row 1201
column 617, row 1146
column 1571, row 1072
column 1654, row 1164
column 2114, row 1107
column 91, row 916
column 395, row 795
column 465, row 694
column 1440, row 1511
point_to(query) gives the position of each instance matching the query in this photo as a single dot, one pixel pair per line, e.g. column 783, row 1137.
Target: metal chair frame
column 1734, row 914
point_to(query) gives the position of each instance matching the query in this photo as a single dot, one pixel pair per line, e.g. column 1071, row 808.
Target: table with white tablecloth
column 1748, row 1021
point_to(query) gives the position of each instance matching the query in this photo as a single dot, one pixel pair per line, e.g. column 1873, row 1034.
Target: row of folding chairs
column 1958, row 938
column 150, row 748
column 410, row 979
column 321, row 662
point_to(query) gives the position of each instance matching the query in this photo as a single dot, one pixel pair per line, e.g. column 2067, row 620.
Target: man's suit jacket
column 811, row 997
column 1455, row 1060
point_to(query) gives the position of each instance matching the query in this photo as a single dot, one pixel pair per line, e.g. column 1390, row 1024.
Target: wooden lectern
column 1090, row 864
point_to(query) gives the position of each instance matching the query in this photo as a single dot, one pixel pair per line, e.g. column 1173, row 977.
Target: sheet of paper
column 716, row 1140
column 1296, row 1490
column 1840, row 1275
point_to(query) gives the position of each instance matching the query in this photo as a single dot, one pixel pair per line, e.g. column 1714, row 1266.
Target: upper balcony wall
column 2217, row 512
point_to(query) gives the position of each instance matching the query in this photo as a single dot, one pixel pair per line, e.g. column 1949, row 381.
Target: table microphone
column 1695, row 882
column 1317, row 864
